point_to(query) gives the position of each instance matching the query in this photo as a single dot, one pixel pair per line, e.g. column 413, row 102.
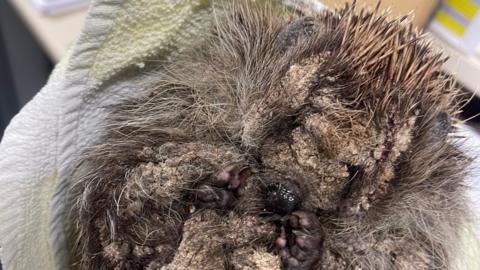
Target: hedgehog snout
column 282, row 197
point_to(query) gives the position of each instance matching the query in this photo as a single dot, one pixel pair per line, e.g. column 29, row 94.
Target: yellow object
column 466, row 8
column 458, row 22
column 450, row 23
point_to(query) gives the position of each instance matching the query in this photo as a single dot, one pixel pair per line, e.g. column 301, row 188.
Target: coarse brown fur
column 348, row 105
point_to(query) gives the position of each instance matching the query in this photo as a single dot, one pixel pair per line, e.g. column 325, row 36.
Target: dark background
column 24, row 66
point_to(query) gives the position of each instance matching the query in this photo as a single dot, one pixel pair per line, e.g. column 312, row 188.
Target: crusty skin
column 348, row 105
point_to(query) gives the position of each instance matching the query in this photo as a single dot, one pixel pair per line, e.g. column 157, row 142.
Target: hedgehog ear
column 438, row 129
column 442, row 126
column 295, row 31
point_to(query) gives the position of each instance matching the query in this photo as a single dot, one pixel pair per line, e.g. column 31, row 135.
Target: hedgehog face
column 302, row 143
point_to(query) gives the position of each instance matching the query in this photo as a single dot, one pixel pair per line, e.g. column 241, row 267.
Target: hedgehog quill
column 281, row 141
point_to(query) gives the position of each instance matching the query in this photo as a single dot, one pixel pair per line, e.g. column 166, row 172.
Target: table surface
column 54, row 33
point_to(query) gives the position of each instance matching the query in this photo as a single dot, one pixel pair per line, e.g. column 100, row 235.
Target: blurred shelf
column 465, row 68
column 54, row 33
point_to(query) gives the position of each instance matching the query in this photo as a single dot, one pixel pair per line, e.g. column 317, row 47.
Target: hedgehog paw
column 214, row 198
column 223, row 189
column 299, row 242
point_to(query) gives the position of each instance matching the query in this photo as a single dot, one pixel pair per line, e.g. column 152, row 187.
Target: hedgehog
column 280, row 140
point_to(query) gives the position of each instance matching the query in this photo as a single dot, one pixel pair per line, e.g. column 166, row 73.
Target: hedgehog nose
column 282, row 197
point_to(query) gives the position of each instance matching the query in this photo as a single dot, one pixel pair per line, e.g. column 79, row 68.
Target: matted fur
column 349, row 105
